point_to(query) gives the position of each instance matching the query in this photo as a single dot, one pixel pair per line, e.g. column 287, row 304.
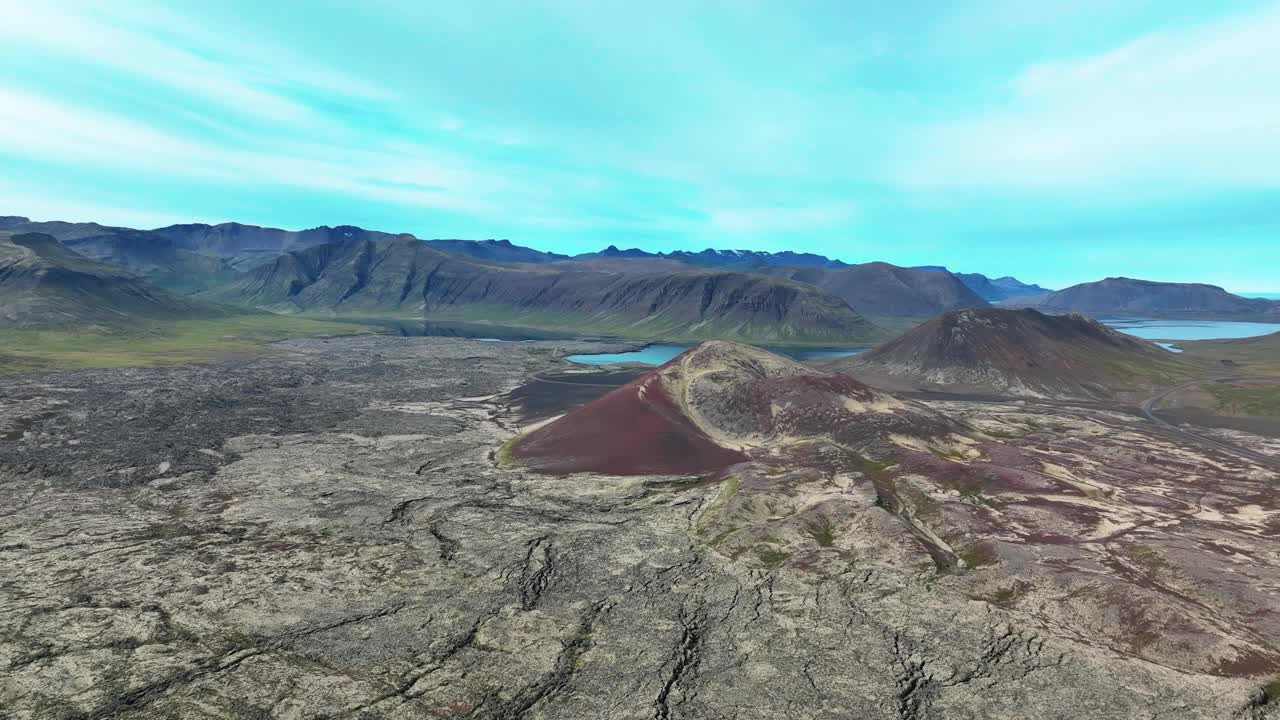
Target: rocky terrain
column 1021, row 353
column 329, row 532
column 1126, row 296
column 413, row 279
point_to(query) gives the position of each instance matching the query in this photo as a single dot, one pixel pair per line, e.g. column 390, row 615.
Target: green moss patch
column 154, row 343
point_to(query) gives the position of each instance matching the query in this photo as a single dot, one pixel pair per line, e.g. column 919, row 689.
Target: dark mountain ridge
column 1019, row 352
column 405, row 276
column 496, row 251
column 887, row 290
column 737, row 259
column 988, row 289
column 174, row 256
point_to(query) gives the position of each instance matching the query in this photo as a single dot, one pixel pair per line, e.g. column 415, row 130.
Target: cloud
column 235, row 76
column 779, row 219
column 1174, row 110
column 46, row 129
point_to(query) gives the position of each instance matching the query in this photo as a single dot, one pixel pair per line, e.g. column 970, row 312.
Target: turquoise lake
column 660, row 353
column 1191, row 329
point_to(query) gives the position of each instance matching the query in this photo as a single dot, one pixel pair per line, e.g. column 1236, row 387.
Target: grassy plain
column 147, row 344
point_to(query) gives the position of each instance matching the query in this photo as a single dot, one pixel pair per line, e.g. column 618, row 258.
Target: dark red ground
column 623, row 433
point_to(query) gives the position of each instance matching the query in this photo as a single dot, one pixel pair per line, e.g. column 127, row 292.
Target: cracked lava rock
column 327, row 532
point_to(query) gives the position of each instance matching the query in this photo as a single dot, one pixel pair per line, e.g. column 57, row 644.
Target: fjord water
column 1190, row 329
column 660, row 353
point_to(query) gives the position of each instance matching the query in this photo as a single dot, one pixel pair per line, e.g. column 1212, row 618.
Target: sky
column 1060, row 142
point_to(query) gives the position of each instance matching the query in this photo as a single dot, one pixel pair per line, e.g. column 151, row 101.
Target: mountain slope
column 496, row 251
column 887, row 290
column 1126, row 296
column 1013, row 287
column 247, row 246
column 988, row 289
column 1000, row 288
column 156, row 259
column 1251, row 356
column 407, row 277
column 43, row 284
column 169, row 253
column 1022, row 353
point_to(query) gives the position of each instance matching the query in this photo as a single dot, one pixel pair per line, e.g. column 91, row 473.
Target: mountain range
column 988, row 289
column 1127, row 296
column 727, row 294
column 349, row 270
column 242, row 246
column 881, row 289
column 406, row 277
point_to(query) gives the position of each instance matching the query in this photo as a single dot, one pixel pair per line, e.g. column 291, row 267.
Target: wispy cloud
column 42, row 128
column 1176, row 109
column 932, row 135
column 231, row 82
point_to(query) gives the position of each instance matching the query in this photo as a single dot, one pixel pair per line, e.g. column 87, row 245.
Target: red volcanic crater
column 687, row 416
column 634, row 430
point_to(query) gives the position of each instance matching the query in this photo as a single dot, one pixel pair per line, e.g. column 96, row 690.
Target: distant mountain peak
column 1018, row 352
column 991, row 290
column 1131, row 296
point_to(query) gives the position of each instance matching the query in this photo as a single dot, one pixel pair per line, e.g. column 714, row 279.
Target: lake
column 659, row 353
column 1190, row 329
column 473, row 331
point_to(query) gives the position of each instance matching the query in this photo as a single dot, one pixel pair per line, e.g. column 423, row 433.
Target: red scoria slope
column 714, row 406
column 634, row 430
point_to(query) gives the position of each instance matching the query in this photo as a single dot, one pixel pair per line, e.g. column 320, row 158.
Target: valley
column 639, row 361
column 343, row 474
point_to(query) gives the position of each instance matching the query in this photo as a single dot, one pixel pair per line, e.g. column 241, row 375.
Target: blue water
column 1191, row 329
column 660, row 353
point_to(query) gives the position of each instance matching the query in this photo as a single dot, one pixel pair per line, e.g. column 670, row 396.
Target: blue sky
column 1059, row 142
